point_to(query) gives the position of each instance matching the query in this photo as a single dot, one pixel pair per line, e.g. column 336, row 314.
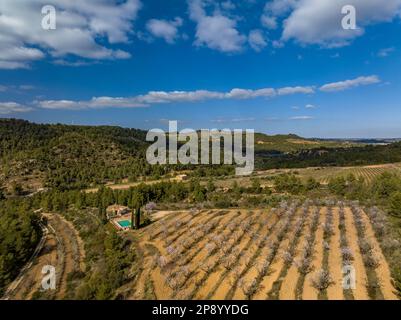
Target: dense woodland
column 336, row 157
column 19, row 235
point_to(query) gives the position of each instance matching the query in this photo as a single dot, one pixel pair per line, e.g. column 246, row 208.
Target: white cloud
column 256, row 40
column 302, row 118
column 277, row 44
column 319, row 21
column 310, row 106
column 168, row 30
column 385, row 52
column 250, row 94
column 275, row 9
column 94, row 103
column 83, row 28
column 280, row 7
column 268, row 22
column 347, row 84
column 179, row 96
column 222, row 120
column 164, row 97
column 294, row 90
column 272, row 119
column 13, row 107
column 228, row 5
column 215, row 31
column 26, row 87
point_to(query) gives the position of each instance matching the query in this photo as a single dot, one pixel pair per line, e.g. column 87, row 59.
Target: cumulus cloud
column 348, row 84
column 13, row 107
column 257, row 40
column 168, row 30
column 310, row 106
column 215, row 31
column 279, row 7
column 83, row 28
column 275, row 9
column 319, row 21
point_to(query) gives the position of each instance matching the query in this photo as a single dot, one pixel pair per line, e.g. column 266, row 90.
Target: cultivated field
column 321, row 174
column 368, row 173
column 295, row 251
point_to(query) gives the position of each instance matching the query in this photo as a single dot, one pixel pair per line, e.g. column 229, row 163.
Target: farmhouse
column 116, row 211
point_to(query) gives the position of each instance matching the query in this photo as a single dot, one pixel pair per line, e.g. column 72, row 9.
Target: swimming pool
column 124, row 223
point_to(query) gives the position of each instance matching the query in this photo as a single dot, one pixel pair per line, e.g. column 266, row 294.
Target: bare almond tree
column 347, row 255
column 322, row 280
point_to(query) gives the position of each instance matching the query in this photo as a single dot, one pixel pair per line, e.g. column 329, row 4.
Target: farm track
column 224, row 251
column 63, row 249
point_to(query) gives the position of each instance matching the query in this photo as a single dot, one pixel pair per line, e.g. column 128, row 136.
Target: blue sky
column 133, row 63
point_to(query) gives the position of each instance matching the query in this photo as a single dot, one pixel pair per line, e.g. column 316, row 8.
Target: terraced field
column 321, row 174
column 368, row 173
column 294, row 251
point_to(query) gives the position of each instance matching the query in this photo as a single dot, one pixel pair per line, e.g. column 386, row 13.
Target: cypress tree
column 133, row 226
column 138, row 218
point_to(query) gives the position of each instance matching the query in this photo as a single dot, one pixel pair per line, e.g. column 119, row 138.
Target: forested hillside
column 19, row 235
column 69, row 157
